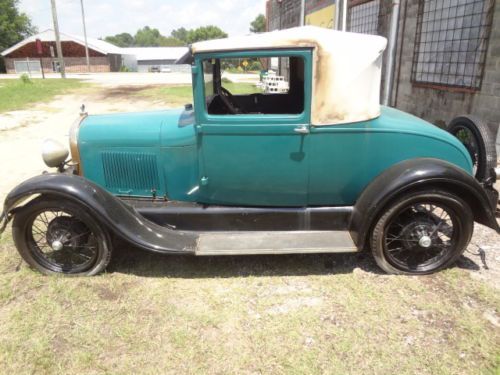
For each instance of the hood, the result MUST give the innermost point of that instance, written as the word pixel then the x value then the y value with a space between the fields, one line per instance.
pixel 164 128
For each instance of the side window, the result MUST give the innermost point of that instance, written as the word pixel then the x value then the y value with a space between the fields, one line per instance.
pixel 251 85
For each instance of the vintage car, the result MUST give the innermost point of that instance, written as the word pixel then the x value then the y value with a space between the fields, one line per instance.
pixel 320 168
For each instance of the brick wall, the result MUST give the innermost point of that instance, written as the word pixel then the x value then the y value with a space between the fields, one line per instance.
pixel 441 106
pixel 73 64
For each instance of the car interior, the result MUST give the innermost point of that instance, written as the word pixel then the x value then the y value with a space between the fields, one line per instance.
pixel 220 101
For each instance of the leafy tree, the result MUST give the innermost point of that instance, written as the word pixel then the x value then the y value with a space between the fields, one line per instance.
pixel 258 25
pixel 147 37
pixel 205 33
pixel 121 40
pixel 170 41
pixel 14 26
pixel 180 34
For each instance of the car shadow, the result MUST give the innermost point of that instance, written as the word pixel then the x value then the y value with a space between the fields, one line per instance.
pixel 141 263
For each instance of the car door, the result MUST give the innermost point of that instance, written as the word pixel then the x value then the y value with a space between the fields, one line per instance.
pixel 254 159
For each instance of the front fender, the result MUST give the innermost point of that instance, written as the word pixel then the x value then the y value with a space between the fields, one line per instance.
pixel 123 220
pixel 419 174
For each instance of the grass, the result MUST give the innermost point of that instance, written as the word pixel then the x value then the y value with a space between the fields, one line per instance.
pixel 15 94
pixel 309 314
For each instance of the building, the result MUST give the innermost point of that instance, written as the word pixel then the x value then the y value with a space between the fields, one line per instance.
pixel 103 56
pixel 149 59
pixel 447 51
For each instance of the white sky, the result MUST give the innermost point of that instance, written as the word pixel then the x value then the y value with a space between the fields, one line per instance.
pixel 109 17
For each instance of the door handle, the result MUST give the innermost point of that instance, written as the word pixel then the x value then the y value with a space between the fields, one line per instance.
pixel 301 129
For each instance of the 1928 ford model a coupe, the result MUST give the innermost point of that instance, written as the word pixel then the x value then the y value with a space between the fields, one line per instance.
pixel 319 168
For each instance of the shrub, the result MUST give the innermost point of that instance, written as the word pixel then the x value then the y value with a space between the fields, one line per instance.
pixel 25 78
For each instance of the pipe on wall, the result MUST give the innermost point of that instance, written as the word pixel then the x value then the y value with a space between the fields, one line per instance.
pixel 302 12
pixel 391 53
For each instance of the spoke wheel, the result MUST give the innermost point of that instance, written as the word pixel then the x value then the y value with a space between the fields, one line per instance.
pixel 476 137
pixel 61 237
pixel 422 233
pixel 469 140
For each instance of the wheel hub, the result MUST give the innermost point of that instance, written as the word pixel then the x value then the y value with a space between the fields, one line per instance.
pixel 418 233
pixel 57 245
pixel 425 242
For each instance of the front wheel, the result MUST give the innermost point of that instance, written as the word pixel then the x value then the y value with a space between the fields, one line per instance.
pixel 422 233
pixel 61 237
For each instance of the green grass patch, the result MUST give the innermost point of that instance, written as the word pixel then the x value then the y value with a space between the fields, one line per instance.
pixel 314 314
pixel 16 94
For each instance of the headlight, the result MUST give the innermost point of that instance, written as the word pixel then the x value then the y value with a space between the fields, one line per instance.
pixel 54 153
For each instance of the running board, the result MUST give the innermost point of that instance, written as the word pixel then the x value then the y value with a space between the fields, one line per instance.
pixel 289 242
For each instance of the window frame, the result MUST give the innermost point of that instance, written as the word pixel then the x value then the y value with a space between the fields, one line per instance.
pixel 478 65
pixel 356 3
pixel 203 117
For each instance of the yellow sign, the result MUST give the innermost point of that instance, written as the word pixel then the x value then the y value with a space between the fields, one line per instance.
pixel 244 63
pixel 324 17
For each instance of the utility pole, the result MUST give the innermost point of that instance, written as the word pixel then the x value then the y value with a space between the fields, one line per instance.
pixel 85 36
pixel 60 57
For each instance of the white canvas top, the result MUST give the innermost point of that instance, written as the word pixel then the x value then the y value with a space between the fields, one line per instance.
pixel 346 68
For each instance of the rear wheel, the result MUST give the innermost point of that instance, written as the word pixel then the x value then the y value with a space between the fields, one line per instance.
pixel 476 136
pixel 422 233
pixel 61 237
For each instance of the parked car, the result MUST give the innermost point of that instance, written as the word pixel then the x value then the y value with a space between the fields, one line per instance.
pixel 320 168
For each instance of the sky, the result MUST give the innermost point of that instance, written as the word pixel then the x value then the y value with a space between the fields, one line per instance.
pixel 110 17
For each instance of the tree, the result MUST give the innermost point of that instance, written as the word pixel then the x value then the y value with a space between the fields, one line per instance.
pixel 121 40
pixel 205 33
pixel 14 26
pixel 258 25
pixel 147 37
pixel 180 34
pixel 170 41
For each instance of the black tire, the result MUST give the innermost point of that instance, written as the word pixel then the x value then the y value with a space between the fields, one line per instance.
pixel 80 236
pixel 408 224
pixel 477 138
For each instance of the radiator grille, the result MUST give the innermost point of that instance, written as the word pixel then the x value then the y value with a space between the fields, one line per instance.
pixel 130 170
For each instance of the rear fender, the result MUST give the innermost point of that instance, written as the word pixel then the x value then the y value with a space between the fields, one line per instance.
pixel 419 174
pixel 121 219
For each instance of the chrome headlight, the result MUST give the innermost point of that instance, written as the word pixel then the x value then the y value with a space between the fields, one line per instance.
pixel 54 154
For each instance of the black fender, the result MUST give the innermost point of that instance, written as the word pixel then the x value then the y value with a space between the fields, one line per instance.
pixel 419 174
pixel 121 219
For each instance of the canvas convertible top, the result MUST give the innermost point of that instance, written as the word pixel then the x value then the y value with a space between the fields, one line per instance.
pixel 346 69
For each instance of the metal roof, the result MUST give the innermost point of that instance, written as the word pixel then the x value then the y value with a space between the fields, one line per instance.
pixel 156 53
pixel 49 36
pixel 141 53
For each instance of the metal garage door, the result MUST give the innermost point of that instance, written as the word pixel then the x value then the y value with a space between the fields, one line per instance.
pixel 24 66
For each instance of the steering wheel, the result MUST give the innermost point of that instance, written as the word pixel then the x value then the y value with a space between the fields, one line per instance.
pixel 229 101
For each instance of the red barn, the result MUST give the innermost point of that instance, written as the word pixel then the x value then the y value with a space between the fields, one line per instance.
pixel 23 57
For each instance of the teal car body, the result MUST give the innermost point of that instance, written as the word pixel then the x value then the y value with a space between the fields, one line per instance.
pixel 306 160
pixel 253 159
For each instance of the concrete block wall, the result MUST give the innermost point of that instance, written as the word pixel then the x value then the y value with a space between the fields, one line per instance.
pixel 441 106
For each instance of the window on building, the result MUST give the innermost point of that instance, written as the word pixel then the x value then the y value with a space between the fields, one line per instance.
pixel 250 85
pixel 451 42
pixel 363 17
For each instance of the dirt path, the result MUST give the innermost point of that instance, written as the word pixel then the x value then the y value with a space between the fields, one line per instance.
pixel 20 155
pixel 22 132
